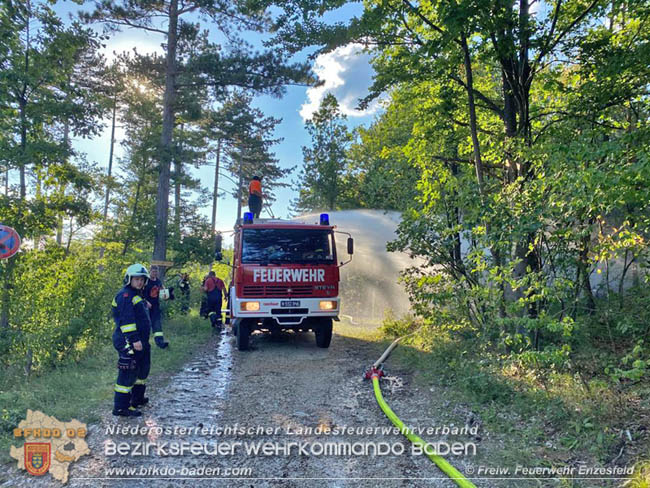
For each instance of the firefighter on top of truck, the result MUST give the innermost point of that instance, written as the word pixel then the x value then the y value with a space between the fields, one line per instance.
pixel 131 340
pixel 255 197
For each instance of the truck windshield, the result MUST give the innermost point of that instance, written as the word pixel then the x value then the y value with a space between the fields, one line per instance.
pixel 301 246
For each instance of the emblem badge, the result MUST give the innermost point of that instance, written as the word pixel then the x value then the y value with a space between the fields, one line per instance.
pixel 37 457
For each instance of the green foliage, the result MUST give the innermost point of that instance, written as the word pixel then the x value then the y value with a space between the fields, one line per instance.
pixel 320 182
pixel 634 366
pixel 379 172
pixel 399 326
pixel 61 304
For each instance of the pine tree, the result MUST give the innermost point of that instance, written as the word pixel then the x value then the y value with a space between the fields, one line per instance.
pixel 320 181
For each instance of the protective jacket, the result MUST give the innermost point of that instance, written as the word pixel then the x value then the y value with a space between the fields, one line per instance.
pixel 132 323
pixel 152 295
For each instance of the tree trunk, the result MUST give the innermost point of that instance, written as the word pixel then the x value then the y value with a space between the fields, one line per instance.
pixel 7 269
pixel 162 203
pixel 110 158
pixel 133 214
pixel 510 123
pixel 23 147
pixel 239 195
pixel 109 173
pixel 67 247
pixel 178 170
pixel 59 225
pixel 22 103
pixel 583 263
pixel 216 189
pixel 478 163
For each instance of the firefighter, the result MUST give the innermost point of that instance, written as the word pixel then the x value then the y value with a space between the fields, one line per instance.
pixel 131 340
pixel 184 286
pixel 255 197
pixel 152 293
pixel 213 288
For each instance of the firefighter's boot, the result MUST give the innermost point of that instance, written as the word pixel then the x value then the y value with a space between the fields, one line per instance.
pixel 127 412
pixel 213 319
pixel 137 395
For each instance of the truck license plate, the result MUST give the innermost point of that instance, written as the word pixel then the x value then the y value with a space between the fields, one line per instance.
pixel 290 303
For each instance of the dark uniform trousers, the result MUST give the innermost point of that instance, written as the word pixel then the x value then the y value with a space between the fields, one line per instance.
pixel 130 385
pixel 255 205
pixel 214 307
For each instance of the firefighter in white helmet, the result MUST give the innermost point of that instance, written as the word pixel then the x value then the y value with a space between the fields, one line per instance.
pixel 131 339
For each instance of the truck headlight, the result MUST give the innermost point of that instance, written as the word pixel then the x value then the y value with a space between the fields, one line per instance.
pixel 250 306
pixel 327 305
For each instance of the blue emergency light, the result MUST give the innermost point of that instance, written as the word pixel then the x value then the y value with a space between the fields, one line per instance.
pixel 324 219
pixel 248 217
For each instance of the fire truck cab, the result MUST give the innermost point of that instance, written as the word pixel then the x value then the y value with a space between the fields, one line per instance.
pixel 285 275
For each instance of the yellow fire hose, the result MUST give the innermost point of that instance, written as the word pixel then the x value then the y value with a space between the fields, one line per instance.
pixel 446 468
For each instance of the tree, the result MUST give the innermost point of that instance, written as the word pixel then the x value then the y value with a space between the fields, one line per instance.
pixel 265 73
pixel 320 181
pixel 47 78
pixel 379 172
pixel 522 111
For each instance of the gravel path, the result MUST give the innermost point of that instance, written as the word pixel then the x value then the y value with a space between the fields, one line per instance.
pixel 284 386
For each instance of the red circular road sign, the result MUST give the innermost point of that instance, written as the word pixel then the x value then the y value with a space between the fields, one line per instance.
pixel 9 242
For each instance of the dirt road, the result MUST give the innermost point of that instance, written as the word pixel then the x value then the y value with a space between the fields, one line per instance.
pixel 284 386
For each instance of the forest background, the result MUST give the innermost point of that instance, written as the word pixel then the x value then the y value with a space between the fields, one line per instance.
pixel 512 136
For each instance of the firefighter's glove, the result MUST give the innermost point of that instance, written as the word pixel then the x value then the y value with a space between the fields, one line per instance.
pixel 125 363
pixel 160 342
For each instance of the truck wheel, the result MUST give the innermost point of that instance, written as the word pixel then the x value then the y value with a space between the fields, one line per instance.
pixel 324 333
pixel 243 333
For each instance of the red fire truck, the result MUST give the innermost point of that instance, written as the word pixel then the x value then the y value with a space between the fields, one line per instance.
pixel 285 276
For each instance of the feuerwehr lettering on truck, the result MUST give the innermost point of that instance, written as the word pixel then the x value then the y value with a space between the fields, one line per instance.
pixel 279 275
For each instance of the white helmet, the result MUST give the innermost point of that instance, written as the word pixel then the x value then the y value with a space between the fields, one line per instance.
pixel 136 269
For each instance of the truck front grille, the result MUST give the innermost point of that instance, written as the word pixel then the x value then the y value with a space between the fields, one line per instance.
pixel 253 291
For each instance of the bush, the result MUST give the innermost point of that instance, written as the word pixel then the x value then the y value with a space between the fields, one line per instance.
pixel 60 303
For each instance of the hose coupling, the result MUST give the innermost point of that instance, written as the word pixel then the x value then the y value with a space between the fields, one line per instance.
pixel 374 372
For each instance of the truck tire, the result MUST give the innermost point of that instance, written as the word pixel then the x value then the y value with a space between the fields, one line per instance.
pixel 243 334
pixel 324 333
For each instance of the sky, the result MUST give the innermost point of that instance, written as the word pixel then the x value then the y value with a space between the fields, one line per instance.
pixel 346 73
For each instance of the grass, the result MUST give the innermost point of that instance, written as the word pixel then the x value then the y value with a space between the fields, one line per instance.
pixel 538 417
pixel 83 389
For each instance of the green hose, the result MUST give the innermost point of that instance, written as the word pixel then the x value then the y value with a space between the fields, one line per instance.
pixel 447 468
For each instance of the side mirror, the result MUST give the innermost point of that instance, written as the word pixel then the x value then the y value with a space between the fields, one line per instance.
pixel 350 245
